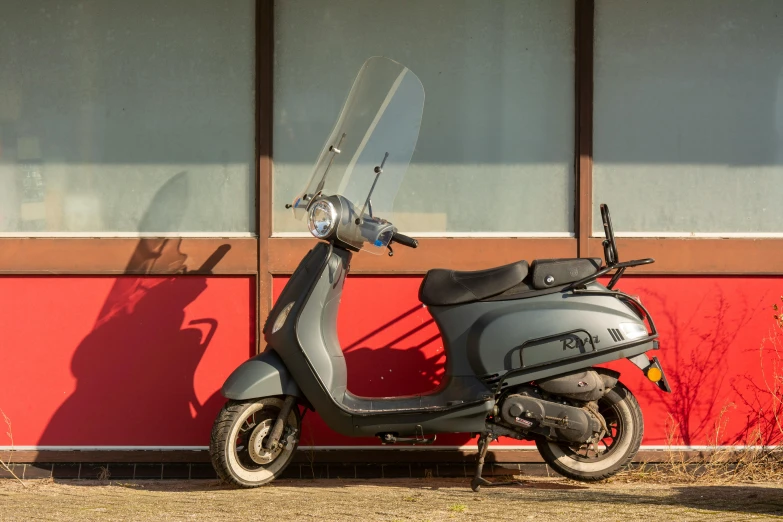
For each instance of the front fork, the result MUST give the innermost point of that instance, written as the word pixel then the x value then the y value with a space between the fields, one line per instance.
pixel 271 442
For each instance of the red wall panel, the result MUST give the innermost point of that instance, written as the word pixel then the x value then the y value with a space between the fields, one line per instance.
pixel 98 361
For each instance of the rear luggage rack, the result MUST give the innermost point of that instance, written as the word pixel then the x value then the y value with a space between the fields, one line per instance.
pixel 610 254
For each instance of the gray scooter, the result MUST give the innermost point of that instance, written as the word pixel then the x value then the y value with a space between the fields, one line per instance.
pixel 522 340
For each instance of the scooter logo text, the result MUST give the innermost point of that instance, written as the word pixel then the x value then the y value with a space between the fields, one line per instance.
pixel 575 343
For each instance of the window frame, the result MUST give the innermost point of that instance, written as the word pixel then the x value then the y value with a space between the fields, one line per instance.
pixel 265 256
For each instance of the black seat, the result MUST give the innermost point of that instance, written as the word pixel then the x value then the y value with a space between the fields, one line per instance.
pixel 449 287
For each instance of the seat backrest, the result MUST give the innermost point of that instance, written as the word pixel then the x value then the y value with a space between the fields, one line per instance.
pixel 546 273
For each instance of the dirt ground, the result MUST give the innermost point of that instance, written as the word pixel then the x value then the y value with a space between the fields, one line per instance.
pixel 388 499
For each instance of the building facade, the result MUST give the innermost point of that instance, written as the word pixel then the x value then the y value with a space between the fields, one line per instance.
pixel 147 151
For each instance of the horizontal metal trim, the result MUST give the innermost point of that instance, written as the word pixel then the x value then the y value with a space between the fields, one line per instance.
pixel 112 256
pixel 128 256
pixel 446 235
pixel 699 256
pixel 454 253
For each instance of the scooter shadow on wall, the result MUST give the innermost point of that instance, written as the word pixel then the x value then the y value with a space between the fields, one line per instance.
pixel 409 363
pixel 135 370
pixel 403 356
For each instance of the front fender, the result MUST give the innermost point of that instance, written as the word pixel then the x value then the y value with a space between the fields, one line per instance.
pixel 262 376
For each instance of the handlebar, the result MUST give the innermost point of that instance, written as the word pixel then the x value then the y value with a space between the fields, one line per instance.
pixel 404 240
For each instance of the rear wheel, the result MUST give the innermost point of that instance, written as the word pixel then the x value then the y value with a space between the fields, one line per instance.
pixel 237 444
pixel 593 462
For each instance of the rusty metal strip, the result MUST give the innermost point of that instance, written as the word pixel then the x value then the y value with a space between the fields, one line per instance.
pixel 697 256
pixel 132 256
pixel 583 44
pixel 264 125
pixel 454 253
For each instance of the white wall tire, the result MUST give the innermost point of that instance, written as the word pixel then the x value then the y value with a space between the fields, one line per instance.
pixel 630 430
pixel 232 459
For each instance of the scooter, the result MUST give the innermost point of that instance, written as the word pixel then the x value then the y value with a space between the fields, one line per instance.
pixel 522 341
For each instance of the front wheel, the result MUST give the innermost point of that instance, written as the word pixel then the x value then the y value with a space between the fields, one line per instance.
pixel 238 435
pixel 590 463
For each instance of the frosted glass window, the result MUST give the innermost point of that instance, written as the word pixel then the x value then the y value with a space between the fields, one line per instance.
pixel 689 116
pixel 496 149
pixel 127 117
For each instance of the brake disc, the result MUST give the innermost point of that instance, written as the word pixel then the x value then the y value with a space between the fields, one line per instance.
pixel 258 453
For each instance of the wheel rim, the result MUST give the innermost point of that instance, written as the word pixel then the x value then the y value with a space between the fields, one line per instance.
pixel 606 447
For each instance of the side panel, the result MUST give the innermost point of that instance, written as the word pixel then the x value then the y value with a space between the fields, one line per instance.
pixel 262 376
pixel 492 333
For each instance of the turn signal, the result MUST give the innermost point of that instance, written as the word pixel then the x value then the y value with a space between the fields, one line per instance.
pixel 654 374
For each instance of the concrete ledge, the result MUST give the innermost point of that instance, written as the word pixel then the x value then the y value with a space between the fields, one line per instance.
pixel 402 455
pixel 350 463
pixel 162 471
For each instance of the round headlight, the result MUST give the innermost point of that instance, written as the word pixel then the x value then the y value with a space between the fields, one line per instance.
pixel 322 219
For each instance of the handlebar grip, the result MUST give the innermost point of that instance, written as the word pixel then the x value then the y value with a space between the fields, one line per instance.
pixel 404 240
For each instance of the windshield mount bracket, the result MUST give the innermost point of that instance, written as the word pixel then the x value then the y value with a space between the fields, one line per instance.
pixel 335 150
pixel 378 172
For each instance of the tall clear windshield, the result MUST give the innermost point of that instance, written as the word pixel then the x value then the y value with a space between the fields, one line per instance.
pixel 376 131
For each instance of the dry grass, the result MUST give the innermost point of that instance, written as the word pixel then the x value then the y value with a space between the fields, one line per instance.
pixel 713 466
pixel 103 473
pixel 6 466
pixel 753 462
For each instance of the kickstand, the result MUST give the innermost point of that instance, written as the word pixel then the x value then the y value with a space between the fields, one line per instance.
pixel 483 445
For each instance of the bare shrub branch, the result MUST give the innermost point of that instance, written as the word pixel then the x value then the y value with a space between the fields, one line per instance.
pixel 7 465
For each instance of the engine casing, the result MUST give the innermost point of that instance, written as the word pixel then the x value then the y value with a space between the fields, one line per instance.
pixel 582 385
pixel 528 411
